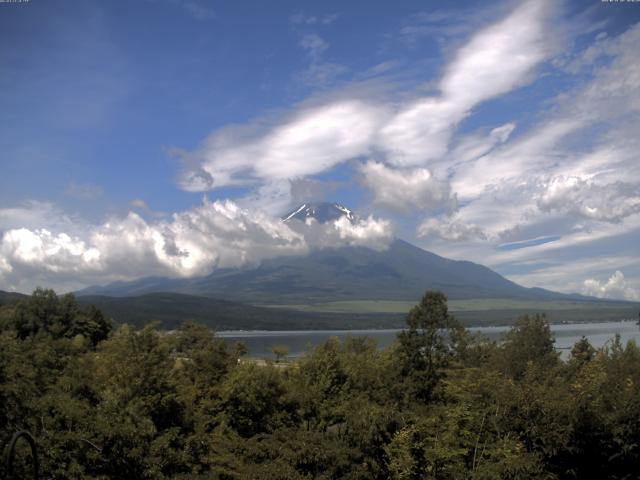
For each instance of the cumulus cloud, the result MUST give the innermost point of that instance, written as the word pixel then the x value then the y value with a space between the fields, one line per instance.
pixel 365 232
pixel 518 161
pixel 608 203
pixel 41 250
pixel 212 235
pixel 451 230
pixel 615 287
pixel 407 189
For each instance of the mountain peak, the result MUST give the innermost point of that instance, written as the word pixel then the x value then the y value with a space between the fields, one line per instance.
pixel 322 212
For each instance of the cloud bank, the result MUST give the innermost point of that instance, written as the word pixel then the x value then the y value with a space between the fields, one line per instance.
pixel 212 235
pixel 615 287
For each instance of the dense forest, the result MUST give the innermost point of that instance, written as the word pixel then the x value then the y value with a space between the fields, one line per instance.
pixel 131 403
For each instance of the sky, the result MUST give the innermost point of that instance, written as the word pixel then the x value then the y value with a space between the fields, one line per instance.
pixel 168 137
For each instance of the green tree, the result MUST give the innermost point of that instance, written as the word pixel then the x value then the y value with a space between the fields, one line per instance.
pixel 426 346
pixel 255 400
pixel 530 341
pixel 139 416
pixel 582 351
pixel 44 312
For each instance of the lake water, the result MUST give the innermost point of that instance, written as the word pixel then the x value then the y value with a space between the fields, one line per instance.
pixel 260 343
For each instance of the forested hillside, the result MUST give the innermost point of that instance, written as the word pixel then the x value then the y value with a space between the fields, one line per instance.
pixel 141 404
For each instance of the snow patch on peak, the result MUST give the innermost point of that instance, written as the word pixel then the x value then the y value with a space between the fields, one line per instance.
pixel 321 212
pixel 294 213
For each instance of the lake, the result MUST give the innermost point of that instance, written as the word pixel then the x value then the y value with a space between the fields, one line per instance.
pixel 299 342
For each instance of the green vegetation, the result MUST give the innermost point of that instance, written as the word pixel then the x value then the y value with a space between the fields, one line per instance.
pixel 280 352
pixel 470 305
pixel 171 309
pixel 352 306
pixel 478 311
pixel 440 403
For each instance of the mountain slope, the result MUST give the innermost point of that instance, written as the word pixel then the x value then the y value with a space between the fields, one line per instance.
pixel 402 272
pixel 7 298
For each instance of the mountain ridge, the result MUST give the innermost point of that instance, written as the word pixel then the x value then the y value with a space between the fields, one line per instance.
pixel 402 272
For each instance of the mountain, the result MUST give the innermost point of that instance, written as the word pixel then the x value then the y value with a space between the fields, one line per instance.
pixel 322 212
pixel 7 298
pixel 403 272
pixel 337 288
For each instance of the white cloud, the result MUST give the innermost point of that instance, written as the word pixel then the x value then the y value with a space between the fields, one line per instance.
pixel 520 160
pixel 420 131
pixel 369 232
pixel 472 147
pixel 501 57
pixel 194 242
pixel 571 174
pixel 451 230
pixel 365 232
pixel 312 140
pixel 615 287
pixel 407 190
pixel 42 250
pixel 609 202
pixel 495 61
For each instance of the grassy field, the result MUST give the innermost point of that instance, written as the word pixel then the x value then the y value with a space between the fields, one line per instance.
pixel 472 305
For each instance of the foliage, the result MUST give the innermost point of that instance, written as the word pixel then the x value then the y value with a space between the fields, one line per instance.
pixel 60 317
pixel 439 403
pixel 426 346
pixel 280 352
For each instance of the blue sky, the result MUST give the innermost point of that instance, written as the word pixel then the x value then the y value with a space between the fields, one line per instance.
pixel 166 137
